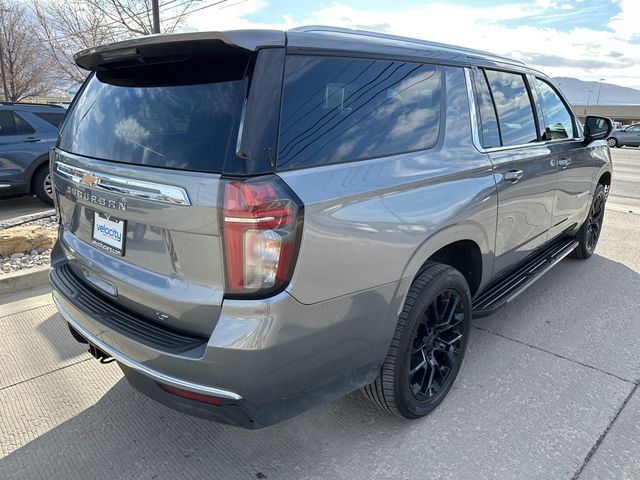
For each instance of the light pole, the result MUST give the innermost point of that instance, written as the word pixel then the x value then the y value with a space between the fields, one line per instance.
pixel 588 100
pixel 599 87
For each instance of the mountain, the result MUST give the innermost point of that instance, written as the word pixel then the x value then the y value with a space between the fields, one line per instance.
pixel 581 93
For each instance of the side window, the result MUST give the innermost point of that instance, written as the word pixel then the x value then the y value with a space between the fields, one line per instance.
pixel 490 134
pixel 22 126
pixel 343 109
pixel 7 124
pixel 52 118
pixel 558 121
pixel 635 128
pixel 515 115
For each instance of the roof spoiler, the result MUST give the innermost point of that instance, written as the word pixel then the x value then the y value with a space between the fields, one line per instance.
pixel 153 48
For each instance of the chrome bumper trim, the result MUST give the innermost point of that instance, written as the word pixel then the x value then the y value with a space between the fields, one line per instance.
pixel 153 374
pixel 129 187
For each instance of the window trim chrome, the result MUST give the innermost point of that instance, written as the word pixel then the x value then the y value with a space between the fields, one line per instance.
pixel 156 192
pixel 473 113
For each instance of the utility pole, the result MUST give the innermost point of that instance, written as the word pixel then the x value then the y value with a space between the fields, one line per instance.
pixel 156 16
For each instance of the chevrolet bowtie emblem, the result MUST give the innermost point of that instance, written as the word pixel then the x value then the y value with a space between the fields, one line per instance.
pixel 89 179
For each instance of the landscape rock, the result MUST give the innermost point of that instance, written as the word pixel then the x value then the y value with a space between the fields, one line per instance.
pixel 25 238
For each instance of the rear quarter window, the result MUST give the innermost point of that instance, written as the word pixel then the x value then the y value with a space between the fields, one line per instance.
pixel 50 117
pixel 344 109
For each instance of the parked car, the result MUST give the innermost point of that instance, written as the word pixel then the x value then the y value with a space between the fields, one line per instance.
pixel 254 222
pixel 28 131
pixel 627 137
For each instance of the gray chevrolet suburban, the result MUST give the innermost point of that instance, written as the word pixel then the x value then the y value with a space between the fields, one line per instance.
pixel 253 222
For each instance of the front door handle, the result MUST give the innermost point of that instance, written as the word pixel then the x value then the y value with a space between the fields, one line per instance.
pixel 513 176
pixel 564 162
pixel 32 140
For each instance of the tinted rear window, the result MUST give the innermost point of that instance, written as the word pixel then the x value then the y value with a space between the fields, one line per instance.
pixel 52 118
pixel 174 115
pixel 342 109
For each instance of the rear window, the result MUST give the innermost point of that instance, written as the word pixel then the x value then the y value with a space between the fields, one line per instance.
pixel 343 109
pixel 174 115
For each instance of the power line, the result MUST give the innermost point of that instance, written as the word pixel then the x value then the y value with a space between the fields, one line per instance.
pixel 189 12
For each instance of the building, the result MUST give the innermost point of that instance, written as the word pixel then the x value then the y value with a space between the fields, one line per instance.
pixel 625 114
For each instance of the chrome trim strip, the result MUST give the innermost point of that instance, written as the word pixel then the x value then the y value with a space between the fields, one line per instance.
pixel 249 220
pixel 475 132
pixel 156 192
pixel 153 374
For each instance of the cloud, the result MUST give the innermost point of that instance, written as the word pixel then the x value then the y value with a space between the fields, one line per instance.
pixel 625 24
pixel 586 53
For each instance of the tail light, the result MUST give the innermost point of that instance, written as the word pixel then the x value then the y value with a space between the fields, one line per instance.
pixel 262 224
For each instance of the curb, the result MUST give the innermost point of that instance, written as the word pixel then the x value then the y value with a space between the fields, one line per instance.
pixel 19 281
pixel 21 220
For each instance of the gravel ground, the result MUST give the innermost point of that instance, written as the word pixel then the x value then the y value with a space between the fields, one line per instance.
pixel 32 258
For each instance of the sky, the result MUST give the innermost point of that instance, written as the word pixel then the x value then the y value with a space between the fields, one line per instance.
pixel 586 39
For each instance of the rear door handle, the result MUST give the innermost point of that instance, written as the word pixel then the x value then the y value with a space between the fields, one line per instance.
pixel 513 176
pixel 564 162
pixel 32 140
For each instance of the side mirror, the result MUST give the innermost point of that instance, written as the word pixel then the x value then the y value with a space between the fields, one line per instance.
pixel 597 128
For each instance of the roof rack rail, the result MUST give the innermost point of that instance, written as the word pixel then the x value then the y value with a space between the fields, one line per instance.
pixel 367 33
pixel 28 104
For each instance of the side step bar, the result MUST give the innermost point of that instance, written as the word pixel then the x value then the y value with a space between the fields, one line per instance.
pixel 513 284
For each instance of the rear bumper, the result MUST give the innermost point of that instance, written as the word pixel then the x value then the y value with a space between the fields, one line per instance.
pixel 230 408
pixel 265 361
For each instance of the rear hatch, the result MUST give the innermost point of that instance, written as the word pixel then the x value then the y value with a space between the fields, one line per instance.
pixel 137 175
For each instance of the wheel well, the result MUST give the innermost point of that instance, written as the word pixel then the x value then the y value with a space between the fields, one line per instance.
pixel 605 181
pixel 466 257
pixel 44 164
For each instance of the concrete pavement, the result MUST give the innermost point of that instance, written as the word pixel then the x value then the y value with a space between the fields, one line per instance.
pixel 548 390
pixel 15 207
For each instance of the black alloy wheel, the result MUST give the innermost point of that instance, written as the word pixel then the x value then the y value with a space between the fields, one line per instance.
pixel 595 222
pixel 428 345
pixel 590 231
pixel 436 345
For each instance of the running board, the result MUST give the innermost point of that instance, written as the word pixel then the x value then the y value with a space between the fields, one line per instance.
pixel 509 287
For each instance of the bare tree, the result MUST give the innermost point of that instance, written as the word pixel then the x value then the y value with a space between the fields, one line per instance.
pixel 65 28
pixel 24 68
pixel 135 17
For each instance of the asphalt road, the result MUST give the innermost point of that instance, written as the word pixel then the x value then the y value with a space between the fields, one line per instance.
pixel 625 187
pixel 548 390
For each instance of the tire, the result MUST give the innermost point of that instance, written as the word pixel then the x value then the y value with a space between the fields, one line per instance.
pixel 590 230
pixel 412 395
pixel 612 142
pixel 42 187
